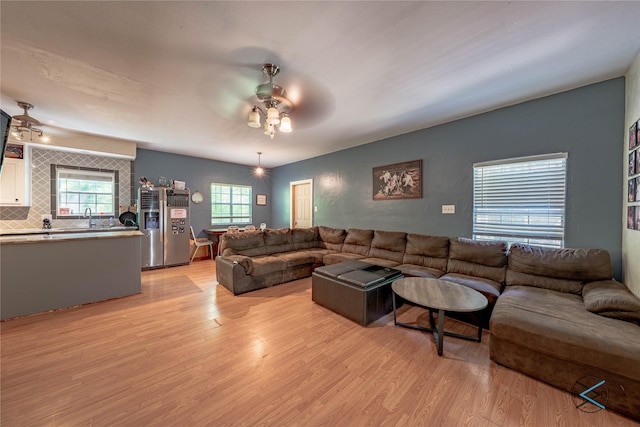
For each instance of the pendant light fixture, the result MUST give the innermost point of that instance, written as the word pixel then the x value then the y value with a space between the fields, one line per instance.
pixel 276 105
pixel 259 170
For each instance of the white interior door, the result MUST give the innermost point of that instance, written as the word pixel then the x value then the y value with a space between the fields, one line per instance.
pixel 302 204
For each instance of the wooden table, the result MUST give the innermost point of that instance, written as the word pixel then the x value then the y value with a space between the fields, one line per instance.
pixel 213 235
pixel 441 295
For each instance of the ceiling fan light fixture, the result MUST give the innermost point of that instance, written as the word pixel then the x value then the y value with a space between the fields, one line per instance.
pixel 276 105
pixel 273 116
pixel 285 125
pixel 254 118
pixel 269 129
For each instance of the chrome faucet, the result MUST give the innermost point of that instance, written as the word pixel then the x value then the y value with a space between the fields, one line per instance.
pixel 92 223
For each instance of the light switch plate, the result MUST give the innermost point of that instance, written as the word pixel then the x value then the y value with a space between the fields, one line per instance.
pixel 448 209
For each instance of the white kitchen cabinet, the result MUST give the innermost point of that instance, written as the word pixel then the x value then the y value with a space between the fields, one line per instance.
pixel 14 180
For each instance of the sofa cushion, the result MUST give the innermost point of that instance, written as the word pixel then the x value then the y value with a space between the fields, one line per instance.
pixel 477 258
pixel 248 244
pixel 337 257
pixel 358 241
pixel 486 287
pixel 611 299
pixel 267 264
pixel 388 245
pixel 563 270
pixel 294 259
pixel 304 238
pixel 557 324
pixel 380 261
pixel 427 251
pixel 489 253
pixel 331 238
pixel 278 240
pixel 317 254
pixel 278 236
pixel 419 271
pixel 431 246
pixel 574 264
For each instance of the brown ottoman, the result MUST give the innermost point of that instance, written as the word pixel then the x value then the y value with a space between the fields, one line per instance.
pixel 356 290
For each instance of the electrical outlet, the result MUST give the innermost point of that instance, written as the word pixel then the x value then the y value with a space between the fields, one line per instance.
pixel 315 209
pixel 448 209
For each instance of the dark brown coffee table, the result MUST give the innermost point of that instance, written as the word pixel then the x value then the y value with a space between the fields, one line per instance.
pixel 441 295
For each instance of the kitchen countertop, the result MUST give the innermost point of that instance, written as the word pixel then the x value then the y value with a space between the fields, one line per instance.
pixel 99 229
pixel 71 268
pixel 68 235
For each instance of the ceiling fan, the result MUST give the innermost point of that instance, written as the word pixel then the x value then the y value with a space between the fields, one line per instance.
pixel 25 123
pixel 276 105
pixel 233 91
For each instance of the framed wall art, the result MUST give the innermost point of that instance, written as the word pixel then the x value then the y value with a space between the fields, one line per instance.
pixel 261 199
pixel 633 176
pixel 14 151
pixel 398 181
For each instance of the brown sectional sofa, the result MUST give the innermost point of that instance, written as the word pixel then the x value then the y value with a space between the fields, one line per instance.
pixel 561 318
pixel 557 314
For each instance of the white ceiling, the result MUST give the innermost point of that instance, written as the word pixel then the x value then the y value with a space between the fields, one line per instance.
pixel 179 76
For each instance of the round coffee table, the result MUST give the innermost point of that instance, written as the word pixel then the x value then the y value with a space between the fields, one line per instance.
pixel 441 295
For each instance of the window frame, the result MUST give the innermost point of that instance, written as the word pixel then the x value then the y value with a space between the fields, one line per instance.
pixel 534 189
pixel 56 170
pixel 233 218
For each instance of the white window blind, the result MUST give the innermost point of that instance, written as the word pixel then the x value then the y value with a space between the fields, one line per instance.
pixel 521 200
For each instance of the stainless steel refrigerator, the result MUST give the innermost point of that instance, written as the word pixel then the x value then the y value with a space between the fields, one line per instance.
pixel 163 214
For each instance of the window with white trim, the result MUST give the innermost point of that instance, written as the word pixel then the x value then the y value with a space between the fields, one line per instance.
pixel 230 204
pixel 521 200
pixel 80 188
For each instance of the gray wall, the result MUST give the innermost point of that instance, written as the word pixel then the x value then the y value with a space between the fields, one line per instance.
pixel 199 174
pixel 587 123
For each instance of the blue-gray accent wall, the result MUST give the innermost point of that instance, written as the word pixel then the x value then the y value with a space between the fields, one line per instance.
pixel 198 174
pixel 587 123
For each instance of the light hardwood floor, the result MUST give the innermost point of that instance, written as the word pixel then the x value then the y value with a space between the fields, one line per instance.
pixel 187 352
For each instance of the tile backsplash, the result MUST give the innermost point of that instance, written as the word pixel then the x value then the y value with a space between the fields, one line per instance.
pixel 12 218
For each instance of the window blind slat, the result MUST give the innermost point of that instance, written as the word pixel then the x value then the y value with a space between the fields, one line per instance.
pixel 521 201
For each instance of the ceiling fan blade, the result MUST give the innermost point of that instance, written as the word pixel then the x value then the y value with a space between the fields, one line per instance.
pixel 313 103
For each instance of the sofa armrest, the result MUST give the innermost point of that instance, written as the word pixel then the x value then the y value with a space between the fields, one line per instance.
pixel 610 298
pixel 240 260
pixel 232 275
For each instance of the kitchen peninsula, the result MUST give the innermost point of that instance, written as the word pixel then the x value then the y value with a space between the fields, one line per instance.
pixel 47 271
